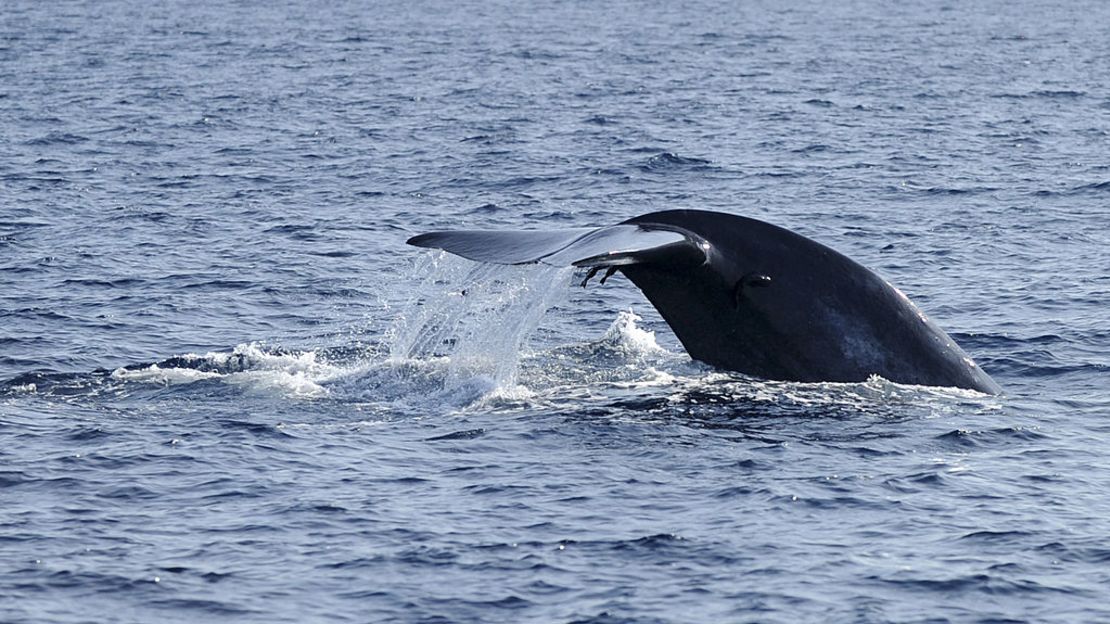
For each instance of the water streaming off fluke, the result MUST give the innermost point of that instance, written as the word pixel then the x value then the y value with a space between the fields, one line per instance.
pixel 474 318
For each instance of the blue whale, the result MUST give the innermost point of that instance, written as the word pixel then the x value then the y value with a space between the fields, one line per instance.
pixel 748 296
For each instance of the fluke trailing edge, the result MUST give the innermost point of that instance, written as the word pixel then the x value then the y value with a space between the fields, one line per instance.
pixel 749 296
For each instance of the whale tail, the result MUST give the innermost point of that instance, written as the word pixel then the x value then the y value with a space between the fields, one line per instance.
pixel 748 296
pixel 613 246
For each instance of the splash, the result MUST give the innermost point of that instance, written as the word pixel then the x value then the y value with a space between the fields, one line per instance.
pixel 625 336
pixel 474 321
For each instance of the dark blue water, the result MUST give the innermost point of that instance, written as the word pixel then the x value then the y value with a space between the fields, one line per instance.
pixel 229 391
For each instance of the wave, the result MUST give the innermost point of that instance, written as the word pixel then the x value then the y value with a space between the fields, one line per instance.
pixel 669 161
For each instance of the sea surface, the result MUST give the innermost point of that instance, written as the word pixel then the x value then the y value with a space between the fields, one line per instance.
pixel 230 392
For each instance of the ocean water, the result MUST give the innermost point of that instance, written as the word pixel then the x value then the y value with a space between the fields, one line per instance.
pixel 230 392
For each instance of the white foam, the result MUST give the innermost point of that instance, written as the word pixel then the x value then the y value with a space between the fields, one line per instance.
pixel 295 384
pixel 164 376
pixel 651 377
pixel 248 366
pixel 624 335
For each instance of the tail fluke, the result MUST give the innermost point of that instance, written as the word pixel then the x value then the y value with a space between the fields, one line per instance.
pixel 613 246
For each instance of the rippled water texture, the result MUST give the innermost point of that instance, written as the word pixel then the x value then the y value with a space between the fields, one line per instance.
pixel 229 391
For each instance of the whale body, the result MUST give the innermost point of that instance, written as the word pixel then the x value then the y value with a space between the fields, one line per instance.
pixel 748 296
